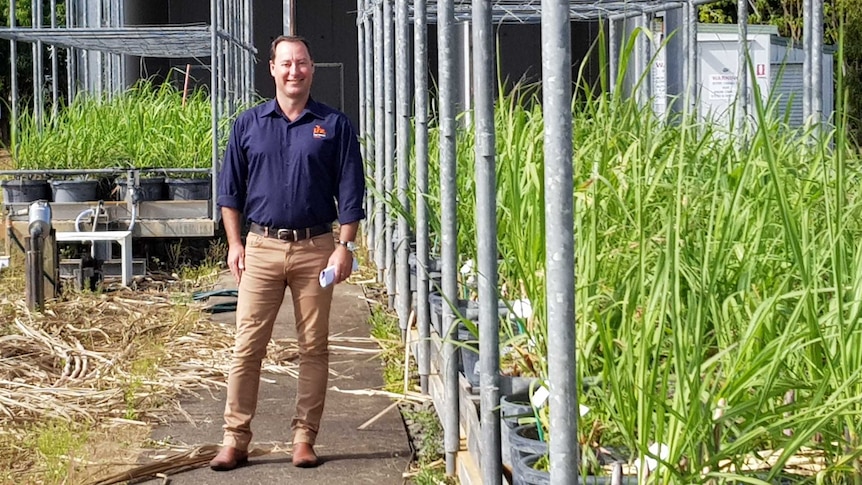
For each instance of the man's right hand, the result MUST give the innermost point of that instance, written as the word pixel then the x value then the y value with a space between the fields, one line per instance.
pixel 236 261
pixel 236 250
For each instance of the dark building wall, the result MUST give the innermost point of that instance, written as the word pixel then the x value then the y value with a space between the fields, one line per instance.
pixel 330 27
pixel 167 12
pixel 518 48
pixel 267 26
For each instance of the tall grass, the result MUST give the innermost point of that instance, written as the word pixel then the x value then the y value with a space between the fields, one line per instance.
pixel 719 290
pixel 147 126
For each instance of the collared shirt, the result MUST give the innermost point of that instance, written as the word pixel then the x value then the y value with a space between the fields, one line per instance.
pixel 290 174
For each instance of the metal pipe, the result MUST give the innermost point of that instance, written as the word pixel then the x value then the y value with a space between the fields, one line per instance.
pixel 116 85
pixel 389 141
pixel 214 104
pixel 402 95
pixel 368 100
pixel 121 22
pixel 248 62
pixel 71 55
pixel 486 229
pixel 38 69
pixel 13 71
pixel 643 57
pixel 806 62
pixel 360 62
pixel 692 60
pixel 742 71
pixel 662 7
pixel 420 98
pixel 817 60
pixel 559 241
pixel 35 269
pixel 379 146
pixel 55 65
pixel 674 27
pixel 613 53
pixel 288 17
pixel 448 225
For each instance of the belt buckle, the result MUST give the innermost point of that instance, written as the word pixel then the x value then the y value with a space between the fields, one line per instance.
pixel 287 234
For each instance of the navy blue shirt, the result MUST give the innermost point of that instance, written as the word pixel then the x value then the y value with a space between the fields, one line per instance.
pixel 290 174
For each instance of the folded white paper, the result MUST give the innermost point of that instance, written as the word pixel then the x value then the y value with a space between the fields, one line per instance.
pixel 327 276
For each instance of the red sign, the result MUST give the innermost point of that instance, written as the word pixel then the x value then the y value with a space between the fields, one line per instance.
pixel 761 70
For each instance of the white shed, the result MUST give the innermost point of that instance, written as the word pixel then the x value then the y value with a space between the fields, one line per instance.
pixel 777 70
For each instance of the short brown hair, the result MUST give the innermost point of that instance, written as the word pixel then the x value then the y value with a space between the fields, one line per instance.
pixel 288 38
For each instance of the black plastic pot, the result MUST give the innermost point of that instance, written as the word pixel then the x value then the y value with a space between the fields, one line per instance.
pixel 189 188
pixel 150 188
pixel 469 356
pixel 524 441
pixel 434 274
pixel 75 190
pixel 25 190
pixel 466 308
pixel 525 474
pixel 512 408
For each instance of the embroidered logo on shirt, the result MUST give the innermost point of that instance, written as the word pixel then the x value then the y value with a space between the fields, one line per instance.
pixel 319 132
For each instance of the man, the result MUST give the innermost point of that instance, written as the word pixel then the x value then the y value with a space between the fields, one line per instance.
pixel 287 163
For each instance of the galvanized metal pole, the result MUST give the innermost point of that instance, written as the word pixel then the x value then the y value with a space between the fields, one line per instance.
pixel 742 71
pixel 221 64
pixel 817 60
pixel 402 67
pixel 288 19
pixel 613 53
pixel 121 13
pixel 38 69
pixel 643 57
pixel 560 240
pixel 674 59
pixel 13 74
pixel 420 98
pixel 389 141
pixel 448 226
pixel 486 230
pixel 806 61
pixel 692 59
pixel 214 102
pixel 114 15
pixel 71 54
pixel 360 61
pixel 379 146
pixel 55 65
pixel 368 99
pixel 248 61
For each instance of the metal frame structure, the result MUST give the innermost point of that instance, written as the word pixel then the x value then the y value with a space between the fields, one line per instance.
pixel 374 18
pixel 98 41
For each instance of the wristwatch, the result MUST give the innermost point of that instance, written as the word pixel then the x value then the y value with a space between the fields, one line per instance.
pixel 350 245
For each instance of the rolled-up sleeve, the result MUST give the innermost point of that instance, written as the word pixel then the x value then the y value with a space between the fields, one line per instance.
pixel 234 172
pixel 351 183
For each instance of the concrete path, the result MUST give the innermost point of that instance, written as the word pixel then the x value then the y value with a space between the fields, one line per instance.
pixel 376 455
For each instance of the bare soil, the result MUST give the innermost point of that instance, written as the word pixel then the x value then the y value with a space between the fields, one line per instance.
pixel 5 159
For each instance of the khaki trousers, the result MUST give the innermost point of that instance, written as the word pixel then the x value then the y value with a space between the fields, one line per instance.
pixel 271 266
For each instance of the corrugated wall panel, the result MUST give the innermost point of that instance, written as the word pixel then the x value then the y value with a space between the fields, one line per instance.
pixel 786 82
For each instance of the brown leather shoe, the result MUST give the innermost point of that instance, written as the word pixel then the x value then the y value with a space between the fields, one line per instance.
pixel 303 456
pixel 228 458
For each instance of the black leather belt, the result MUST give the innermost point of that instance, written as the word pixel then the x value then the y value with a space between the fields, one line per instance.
pixel 290 235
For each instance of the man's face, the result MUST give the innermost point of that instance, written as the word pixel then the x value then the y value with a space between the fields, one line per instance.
pixel 292 70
